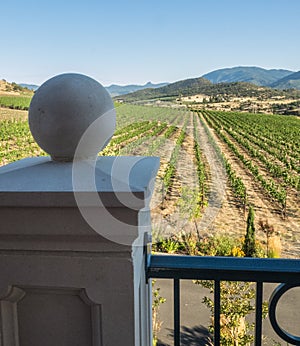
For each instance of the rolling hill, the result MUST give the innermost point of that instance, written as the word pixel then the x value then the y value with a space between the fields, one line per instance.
pixel 189 87
pixel 13 88
pixel 184 87
pixel 291 81
pixel 251 74
pixel 239 81
pixel 29 86
pixel 116 90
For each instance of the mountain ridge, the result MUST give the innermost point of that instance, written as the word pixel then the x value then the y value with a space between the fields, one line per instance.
pixel 274 78
pixel 251 74
pixel 175 89
pixel 288 82
pixel 32 87
pixel 240 81
pixel 202 86
pixel 116 90
pixel 113 89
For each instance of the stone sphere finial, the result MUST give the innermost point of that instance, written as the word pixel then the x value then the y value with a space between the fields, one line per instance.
pixel 67 108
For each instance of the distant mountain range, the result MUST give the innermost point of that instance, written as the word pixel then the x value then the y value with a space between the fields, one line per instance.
pixel 288 82
pixel 249 74
pixel 116 90
pixel 189 87
pixel 257 76
pixel 239 81
pixel 29 86
pixel 184 87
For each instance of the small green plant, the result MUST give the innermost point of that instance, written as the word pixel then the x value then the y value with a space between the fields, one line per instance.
pixel 157 300
pixel 249 247
pixel 167 245
pixel 189 203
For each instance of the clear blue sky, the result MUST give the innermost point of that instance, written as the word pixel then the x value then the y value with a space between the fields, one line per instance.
pixel 136 41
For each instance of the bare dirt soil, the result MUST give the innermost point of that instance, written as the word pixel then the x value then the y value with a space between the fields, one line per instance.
pixel 9 114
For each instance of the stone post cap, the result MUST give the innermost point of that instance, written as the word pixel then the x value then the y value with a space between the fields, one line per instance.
pixel 120 181
pixel 63 109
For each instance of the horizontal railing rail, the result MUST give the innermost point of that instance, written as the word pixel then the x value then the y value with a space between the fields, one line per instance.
pixel 258 270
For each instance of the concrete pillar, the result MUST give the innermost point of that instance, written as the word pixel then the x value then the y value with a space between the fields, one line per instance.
pixel 73 232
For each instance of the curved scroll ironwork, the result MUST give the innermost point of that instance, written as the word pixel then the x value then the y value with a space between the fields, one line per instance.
pixel 274 299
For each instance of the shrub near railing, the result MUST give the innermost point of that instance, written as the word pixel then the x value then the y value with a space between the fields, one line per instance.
pixel 237 302
pixel 237 298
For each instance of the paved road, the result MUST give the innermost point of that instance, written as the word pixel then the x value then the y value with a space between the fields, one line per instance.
pixel 195 317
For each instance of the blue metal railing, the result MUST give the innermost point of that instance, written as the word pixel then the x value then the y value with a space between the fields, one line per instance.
pixel 284 271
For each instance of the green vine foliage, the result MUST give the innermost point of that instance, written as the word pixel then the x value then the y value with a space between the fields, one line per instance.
pixel 237 303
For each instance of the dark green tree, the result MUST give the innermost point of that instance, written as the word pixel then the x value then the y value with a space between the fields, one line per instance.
pixel 249 247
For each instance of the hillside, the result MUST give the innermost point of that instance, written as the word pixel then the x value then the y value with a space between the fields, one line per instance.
pixel 13 88
pixel 201 85
pixel 291 81
pixel 116 90
pixel 251 74
pixel 184 87
pixel 29 86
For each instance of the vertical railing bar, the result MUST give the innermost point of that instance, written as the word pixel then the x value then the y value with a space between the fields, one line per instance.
pixel 258 313
pixel 217 312
pixel 176 312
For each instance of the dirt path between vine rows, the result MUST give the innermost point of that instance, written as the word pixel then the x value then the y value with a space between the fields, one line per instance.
pixel 217 185
pixel 169 209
